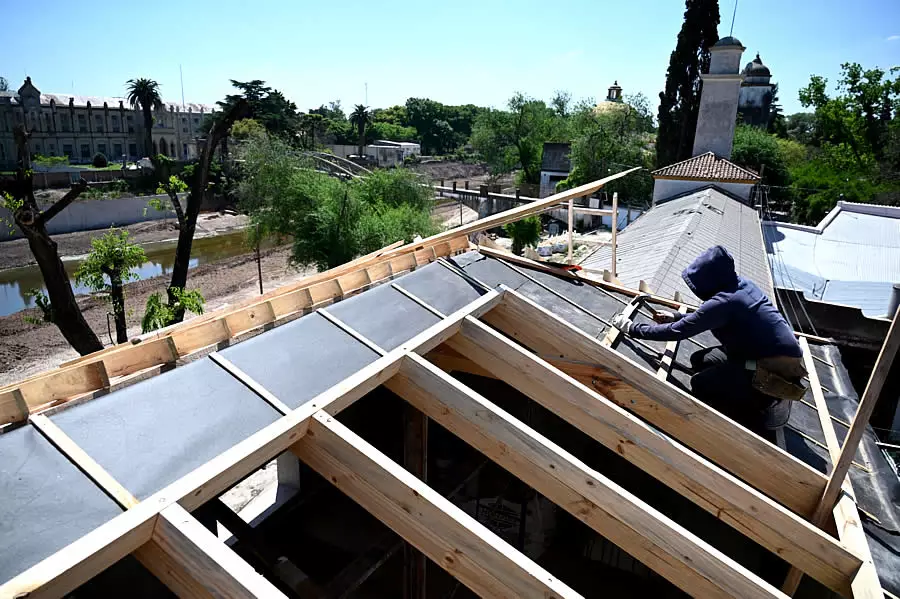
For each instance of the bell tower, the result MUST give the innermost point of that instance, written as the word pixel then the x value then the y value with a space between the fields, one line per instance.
pixel 719 99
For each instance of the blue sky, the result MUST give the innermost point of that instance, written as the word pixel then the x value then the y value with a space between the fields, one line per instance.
pixel 460 51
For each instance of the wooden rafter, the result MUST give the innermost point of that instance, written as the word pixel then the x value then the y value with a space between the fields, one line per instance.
pixel 765 466
pixel 668 358
pixel 451 538
pixel 711 488
pixel 636 527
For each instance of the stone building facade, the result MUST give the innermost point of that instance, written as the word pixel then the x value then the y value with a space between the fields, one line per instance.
pixel 757 94
pixel 81 126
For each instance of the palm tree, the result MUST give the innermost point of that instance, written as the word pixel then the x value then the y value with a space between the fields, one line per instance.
pixel 360 118
pixel 145 93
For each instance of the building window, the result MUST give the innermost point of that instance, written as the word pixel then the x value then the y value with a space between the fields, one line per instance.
pixel 117 151
pixel 115 124
pixel 64 122
pixel 101 148
pixel 85 152
pixel 98 120
pixel 52 149
pixel 82 123
pixel 132 150
pixel 130 120
pixel 51 125
pixel 67 151
pixel 184 149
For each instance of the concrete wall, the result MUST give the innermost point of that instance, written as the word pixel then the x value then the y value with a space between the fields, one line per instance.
pixel 663 189
pixel 385 156
pixel 718 111
pixel 96 214
pixel 549 179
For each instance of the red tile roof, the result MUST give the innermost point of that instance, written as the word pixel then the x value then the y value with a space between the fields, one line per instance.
pixel 707 166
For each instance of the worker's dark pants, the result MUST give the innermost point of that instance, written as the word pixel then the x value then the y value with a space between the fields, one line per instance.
pixel 726 385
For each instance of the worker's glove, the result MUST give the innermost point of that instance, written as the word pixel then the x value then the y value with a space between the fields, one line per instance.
pixel 663 316
pixel 623 323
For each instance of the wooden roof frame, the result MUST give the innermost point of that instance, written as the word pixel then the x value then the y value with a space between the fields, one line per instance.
pixel 748 483
pixel 160 532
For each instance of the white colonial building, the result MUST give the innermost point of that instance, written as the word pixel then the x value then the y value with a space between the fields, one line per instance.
pixel 81 126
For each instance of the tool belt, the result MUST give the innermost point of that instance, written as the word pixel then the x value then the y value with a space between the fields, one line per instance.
pixel 778 376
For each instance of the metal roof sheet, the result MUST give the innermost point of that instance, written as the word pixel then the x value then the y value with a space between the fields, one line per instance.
pixel 851 257
pixel 661 243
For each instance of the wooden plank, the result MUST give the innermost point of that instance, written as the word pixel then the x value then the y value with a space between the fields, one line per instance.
pixel 753 459
pixel 403 263
pixel 141 356
pixel 380 272
pixel 846 517
pixel 169 572
pixel 713 489
pixel 451 538
pixel 207 560
pixel 63 384
pixel 251 384
pixel 295 301
pixel 250 318
pixel 353 281
pixel 860 421
pixel 12 407
pixel 191 339
pixel 325 292
pixel 636 527
pixel 425 255
pixel 668 357
pixel 72 566
pixel 614 221
pixel 83 461
pixel 351 331
pixel 448 359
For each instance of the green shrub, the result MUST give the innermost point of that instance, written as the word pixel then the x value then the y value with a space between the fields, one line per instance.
pixel 525 232
pixel 99 161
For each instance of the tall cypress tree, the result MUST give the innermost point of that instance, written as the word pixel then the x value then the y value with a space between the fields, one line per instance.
pixel 680 103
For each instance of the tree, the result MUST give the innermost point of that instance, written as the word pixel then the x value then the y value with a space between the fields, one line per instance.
pixel 4 84
pixel 611 140
pixel 801 127
pixel 145 93
pixel 312 127
pixel 266 105
pixel 62 309
pixel 360 118
pixel 107 268
pixel 247 128
pixel 760 151
pixel 330 220
pixel 199 187
pixel 515 138
pixel 679 104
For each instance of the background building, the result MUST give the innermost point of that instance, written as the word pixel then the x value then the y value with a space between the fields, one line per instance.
pixel 757 94
pixel 81 126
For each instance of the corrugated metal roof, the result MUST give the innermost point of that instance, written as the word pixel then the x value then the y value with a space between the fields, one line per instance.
pixel 852 257
pixel 660 244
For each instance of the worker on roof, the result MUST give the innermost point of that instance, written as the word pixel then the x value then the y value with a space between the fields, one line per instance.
pixel 756 371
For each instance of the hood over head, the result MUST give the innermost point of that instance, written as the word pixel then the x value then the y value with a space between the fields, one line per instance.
pixel 711 272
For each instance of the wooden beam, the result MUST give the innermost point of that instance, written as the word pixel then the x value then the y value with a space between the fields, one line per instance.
pixel 713 489
pixel 451 538
pixel 649 536
pixel 615 231
pixel 753 459
pixel 846 517
pixel 668 357
pixel 860 421
pixel 205 559
pixel 612 333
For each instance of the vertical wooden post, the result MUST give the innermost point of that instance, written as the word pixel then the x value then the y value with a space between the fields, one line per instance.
pixel 571 226
pixel 615 226
pixel 415 460
pixel 518 191
pixel 442 191
pixel 458 199
pixel 467 184
pixel 860 420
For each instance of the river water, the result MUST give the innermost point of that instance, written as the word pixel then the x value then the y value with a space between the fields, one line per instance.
pixel 16 282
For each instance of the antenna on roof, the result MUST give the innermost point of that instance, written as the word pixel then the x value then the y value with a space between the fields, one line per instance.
pixel 181 75
pixel 733 15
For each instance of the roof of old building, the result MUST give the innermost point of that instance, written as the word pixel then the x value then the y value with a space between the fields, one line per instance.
pixel 728 41
pixel 708 166
pixel 756 68
pixel 852 257
pixel 661 243
pixel 556 157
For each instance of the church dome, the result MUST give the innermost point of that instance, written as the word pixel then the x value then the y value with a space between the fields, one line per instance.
pixel 756 68
pixel 728 41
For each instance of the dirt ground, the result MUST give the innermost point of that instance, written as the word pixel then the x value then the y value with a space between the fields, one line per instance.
pixel 26 349
pixel 16 253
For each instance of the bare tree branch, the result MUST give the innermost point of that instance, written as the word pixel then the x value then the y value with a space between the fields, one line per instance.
pixel 61 204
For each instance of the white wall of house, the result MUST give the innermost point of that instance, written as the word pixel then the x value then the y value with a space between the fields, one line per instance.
pixel 549 179
pixel 663 189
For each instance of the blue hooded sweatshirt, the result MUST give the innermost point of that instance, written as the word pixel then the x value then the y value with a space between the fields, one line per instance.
pixel 734 309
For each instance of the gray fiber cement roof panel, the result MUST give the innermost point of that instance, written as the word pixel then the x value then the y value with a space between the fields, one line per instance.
pixel 152 433
pixel 300 359
pixel 384 316
pixel 440 288
pixel 45 501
